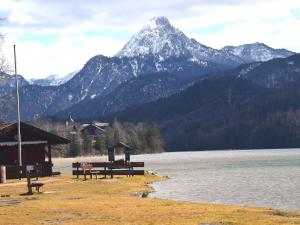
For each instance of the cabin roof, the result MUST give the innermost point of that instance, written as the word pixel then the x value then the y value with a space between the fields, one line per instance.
pixel 86 126
pixel 3 125
pixel 8 133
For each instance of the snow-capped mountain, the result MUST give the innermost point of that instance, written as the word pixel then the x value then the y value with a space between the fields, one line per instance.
pixel 257 52
pixel 53 79
pixel 162 40
pixel 157 47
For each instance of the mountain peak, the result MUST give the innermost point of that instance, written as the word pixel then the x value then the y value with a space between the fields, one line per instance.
pixel 157 37
pixel 161 21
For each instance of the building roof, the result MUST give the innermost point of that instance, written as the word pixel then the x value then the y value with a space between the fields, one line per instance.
pixel 86 126
pixel 2 124
pixel 100 124
pixel 29 133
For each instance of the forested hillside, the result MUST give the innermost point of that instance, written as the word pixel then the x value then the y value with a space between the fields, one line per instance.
pixel 225 113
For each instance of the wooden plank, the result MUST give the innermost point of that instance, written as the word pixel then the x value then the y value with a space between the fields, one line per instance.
pixel 113 172
pixel 119 166
pixel 107 164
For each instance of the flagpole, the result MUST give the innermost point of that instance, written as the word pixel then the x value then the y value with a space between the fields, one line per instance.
pixel 18 116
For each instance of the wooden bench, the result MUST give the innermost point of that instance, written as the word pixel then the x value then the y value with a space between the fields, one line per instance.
pixel 118 165
pixel 108 168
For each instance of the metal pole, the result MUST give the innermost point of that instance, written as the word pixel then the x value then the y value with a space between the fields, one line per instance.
pixel 2 174
pixel 18 116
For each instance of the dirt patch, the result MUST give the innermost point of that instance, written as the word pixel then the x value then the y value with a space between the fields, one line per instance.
pixel 67 217
pixel 74 198
pixel 285 214
pixel 9 202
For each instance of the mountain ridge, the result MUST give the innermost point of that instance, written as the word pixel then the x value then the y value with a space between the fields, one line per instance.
pixel 227 111
pixel 168 50
pixel 257 52
pixel 53 79
pixel 275 73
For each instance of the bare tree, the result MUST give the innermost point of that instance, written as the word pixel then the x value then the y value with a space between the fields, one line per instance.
pixel 4 67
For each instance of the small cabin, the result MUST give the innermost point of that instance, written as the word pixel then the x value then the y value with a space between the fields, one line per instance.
pixel 36 147
pixel 94 129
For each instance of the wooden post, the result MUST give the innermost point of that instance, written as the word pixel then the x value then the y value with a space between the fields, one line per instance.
pixel 111 170
pixel 50 153
pixel 50 158
pixel 36 171
pixel 29 183
pixel 77 168
pixel 3 174
pixel 84 173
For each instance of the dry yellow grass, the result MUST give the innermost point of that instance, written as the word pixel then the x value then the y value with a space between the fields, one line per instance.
pixel 114 202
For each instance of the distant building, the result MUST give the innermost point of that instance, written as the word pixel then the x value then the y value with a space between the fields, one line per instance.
pixel 36 147
pixel 94 129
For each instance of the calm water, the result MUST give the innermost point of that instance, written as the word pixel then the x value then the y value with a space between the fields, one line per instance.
pixel 266 178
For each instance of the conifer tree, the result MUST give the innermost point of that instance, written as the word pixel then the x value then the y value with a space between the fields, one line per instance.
pixel 86 143
pixel 100 145
pixel 74 145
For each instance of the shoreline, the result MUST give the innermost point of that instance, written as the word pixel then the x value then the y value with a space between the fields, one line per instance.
pixel 67 200
pixel 206 189
pixel 165 178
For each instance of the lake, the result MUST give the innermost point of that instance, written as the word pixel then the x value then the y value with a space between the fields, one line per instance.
pixel 265 178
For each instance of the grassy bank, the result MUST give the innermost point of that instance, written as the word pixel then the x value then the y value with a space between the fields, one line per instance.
pixel 106 201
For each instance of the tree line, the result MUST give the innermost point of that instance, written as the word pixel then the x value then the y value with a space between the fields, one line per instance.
pixel 142 137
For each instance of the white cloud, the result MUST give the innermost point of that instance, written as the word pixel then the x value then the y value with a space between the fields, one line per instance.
pixel 21 18
pixel 60 36
pixel 69 53
pixel 260 22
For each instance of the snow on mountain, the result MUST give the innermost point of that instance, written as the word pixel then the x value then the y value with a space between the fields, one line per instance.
pixel 157 47
pixel 157 37
pixel 47 81
pixel 66 78
pixel 161 39
pixel 257 52
pixel 8 83
pixel 53 79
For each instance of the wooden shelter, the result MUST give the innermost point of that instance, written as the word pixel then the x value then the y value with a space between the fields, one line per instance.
pixel 120 145
pixel 36 148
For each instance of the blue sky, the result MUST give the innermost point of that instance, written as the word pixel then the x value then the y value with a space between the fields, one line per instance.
pixel 58 37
